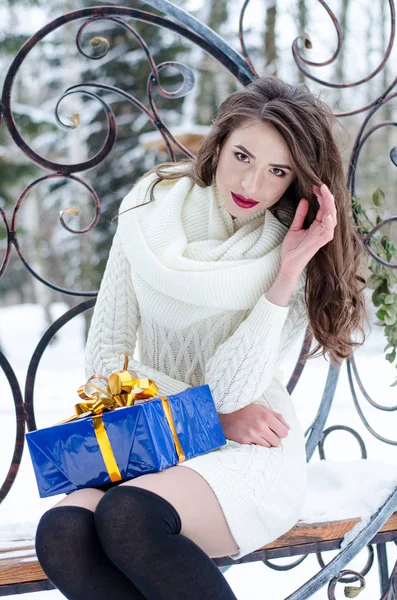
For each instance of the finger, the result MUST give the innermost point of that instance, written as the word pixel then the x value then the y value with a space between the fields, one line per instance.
pixel 268 438
pixel 276 426
pixel 262 442
pixel 328 203
pixel 319 230
pixel 267 430
pixel 280 430
pixel 321 212
pixel 280 416
pixel 321 222
pixel 328 198
pixel 323 193
pixel 273 430
pixel 332 207
pixel 300 214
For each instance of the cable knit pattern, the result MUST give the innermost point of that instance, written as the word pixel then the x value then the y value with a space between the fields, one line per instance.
pixel 114 326
pixel 159 299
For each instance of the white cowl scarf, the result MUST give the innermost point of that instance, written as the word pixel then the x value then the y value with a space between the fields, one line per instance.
pixel 186 245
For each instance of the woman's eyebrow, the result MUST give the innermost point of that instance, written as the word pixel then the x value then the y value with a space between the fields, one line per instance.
pixel 244 150
pixel 252 156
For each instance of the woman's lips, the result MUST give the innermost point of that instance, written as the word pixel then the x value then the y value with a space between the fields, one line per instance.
pixel 243 203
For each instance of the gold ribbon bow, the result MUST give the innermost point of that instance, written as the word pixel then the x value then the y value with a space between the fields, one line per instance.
pixel 122 389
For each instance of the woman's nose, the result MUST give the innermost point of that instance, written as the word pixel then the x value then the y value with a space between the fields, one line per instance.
pixel 251 184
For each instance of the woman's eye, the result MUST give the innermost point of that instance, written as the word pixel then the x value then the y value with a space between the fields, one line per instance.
pixel 281 172
pixel 238 154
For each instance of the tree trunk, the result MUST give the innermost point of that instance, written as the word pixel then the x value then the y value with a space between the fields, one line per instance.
pixel 270 39
pixel 212 85
pixel 302 23
pixel 340 64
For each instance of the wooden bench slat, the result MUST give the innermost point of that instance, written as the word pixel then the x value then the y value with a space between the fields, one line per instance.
pixel 15 570
pixel 19 564
pixel 304 533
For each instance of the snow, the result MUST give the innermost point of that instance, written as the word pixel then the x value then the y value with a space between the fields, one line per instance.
pixel 344 486
pixel 346 490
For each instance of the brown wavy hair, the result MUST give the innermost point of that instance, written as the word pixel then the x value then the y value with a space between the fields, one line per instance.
pixel 334 289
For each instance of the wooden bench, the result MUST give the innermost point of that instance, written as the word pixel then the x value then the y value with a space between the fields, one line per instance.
pixel 20 571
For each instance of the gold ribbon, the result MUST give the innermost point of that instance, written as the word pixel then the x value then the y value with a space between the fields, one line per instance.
pixel 122 389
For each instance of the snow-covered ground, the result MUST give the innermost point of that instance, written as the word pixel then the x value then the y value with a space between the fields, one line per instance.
pixel 61 372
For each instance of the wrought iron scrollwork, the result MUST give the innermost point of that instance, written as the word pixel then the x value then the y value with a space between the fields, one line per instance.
pixel 355 575
pixel 350 430
pixel 352 370
pixel 288 567
pixel 350 591
pixel 20 426
pixel 13 230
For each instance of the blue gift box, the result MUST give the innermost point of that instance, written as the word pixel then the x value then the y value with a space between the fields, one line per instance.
pixel 67 457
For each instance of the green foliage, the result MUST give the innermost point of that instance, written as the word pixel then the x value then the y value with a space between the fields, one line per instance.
pixel 383 279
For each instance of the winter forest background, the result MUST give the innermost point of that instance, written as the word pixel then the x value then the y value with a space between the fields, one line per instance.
pixel 77 261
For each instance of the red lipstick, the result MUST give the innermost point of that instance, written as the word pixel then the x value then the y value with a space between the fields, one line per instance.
pixel 243 202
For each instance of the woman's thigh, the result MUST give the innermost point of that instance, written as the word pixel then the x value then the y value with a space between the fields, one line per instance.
pixel 202 518
pixel 87 498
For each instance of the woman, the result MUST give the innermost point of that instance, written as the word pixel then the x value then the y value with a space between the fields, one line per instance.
pixel 228 259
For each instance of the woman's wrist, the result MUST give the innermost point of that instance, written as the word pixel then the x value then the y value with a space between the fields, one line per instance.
pixel 282 289
pixel 222 419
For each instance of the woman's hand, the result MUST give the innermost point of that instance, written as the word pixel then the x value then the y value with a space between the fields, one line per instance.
pixel 254 424
pixel 300 245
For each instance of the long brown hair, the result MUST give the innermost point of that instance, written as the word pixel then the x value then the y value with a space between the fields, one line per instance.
pixel 335 284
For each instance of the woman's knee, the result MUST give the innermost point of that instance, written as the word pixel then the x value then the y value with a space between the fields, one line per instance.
pixel 67 527
pixel 70 520
pixel 131 517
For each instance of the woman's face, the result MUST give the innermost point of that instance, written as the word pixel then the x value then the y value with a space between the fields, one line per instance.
pixel 254 164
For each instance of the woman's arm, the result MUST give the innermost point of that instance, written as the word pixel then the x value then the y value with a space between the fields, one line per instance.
pixel 243 366
pixel 282 289
pixel 115 323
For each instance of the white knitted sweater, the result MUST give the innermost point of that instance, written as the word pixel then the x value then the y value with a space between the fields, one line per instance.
pixel 188 283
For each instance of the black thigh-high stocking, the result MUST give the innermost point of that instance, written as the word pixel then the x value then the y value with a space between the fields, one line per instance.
pixel 140 533
pixel 71 555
